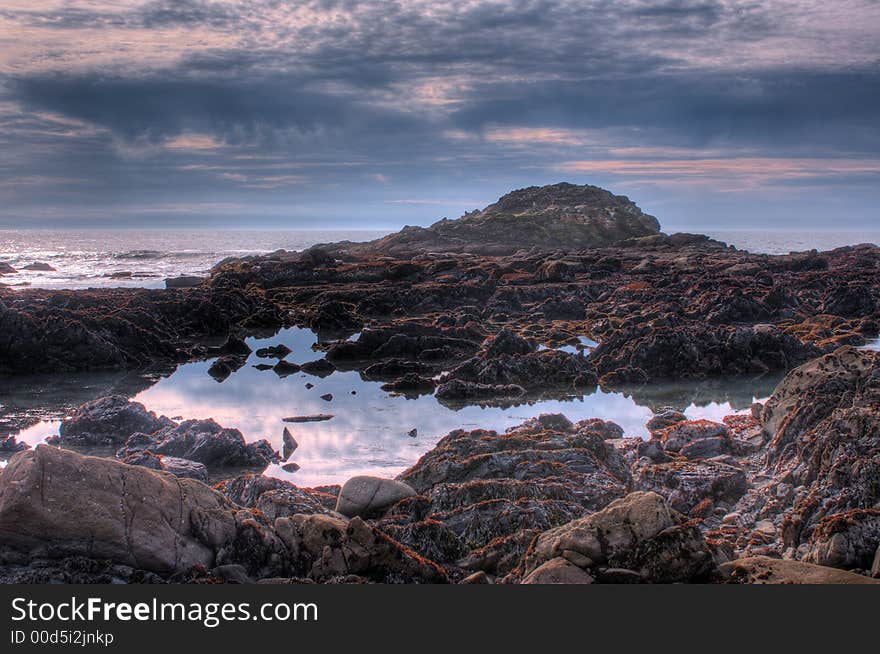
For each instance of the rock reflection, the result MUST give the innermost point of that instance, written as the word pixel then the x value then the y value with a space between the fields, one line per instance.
pixel 369 431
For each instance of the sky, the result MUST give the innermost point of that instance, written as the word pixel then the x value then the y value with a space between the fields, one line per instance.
pixel 712 114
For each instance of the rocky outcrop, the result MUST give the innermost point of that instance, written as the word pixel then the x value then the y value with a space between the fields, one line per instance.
pixel 109 421
pixel 483 495
pixel 44 331
pixel 203 441
pixel 560 216
pixel 635 539
pixel 814 496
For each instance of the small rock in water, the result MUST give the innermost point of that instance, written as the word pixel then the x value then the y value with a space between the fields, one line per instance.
pixel 263 366
pixel 225 366
pixel 289 444
pixel 290 467
pixel 327 397
pixel 124 274
pixel 314 418
pixel 412 433
pixel 185 281
pixel 284 368
pixel 309 385
pixel 354 392
pixel 319 368
pixel 275 352
pixel 39 266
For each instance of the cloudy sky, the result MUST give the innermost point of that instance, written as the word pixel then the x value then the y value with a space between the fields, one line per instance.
pixel 708 113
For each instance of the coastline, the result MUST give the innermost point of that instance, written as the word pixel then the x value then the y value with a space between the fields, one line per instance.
pixel 464 318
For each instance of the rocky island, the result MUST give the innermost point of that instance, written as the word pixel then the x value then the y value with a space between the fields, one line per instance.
pixel 490 309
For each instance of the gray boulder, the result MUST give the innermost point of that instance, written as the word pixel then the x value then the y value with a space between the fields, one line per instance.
pixel 364 495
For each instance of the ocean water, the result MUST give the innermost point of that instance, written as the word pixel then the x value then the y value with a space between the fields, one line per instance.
pixel 770 241
pixel 90 258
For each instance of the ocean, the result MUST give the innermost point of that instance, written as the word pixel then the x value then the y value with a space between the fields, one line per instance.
pixel 91 258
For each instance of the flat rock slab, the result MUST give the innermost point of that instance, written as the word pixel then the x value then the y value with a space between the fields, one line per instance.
pixel 764 570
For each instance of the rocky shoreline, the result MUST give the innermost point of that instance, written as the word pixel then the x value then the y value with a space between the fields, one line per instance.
pixel 788 494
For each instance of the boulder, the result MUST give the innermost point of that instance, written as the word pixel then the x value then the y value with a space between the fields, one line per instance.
pixel 765 570
pixel 638 532
pixel 58 503
pixel 364 495
pixel 204 441
pixel 558 571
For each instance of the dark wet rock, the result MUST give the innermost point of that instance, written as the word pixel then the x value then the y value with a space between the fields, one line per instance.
pixel 557 216
pixel 285 368
pixel 364 495
pixel 319 368
pixel 185 281
pixel 327 397
pixel 457 390
pixel 335 316
pixel 225 365
pixel 685 433
pixel 319 417
pixel 109 421
pixel 290 466
pixel 289 444
pixel 6 269
pixel 639 533
pixel 235 346
pixel 816 484
pixel 849 300
pixel 274 352
pixel 506 342
pixel 537 370
pixel 204 441
pixel 274 497
pixel 695 351
pixel 410 383
pixel 330 547
pixel 687 484
pixel 262 367
pixel 62 331
pixel 170 464
pixel 666 419
pixel 9 445
pixel 39 266
pixel 487 487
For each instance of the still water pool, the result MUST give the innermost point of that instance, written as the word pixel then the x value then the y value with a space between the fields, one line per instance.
pixel 369 433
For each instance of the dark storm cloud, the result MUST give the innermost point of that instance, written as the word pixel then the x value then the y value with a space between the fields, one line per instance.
pixel 403 102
